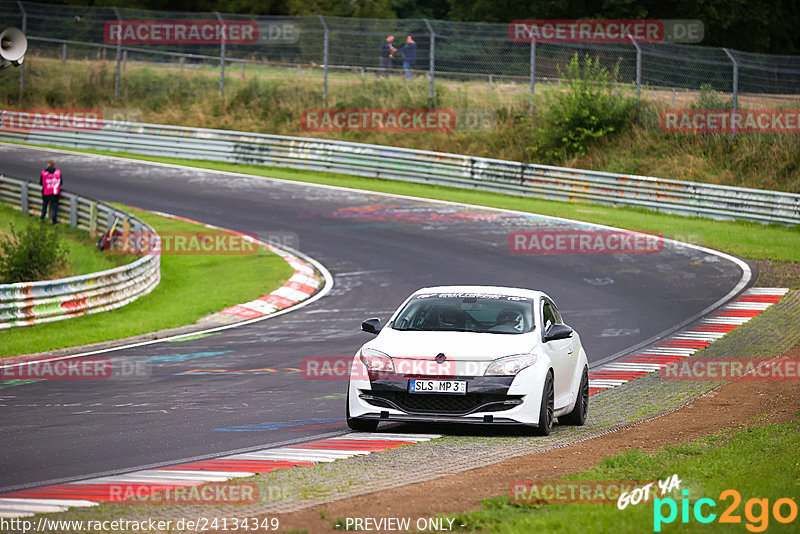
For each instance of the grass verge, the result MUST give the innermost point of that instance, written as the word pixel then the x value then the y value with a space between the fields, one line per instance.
pixel 754 241
pixel 82 255
pixel 272 100
pixel 192 286
pixel 762 456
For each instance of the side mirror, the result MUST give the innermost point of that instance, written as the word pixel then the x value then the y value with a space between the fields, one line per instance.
pixel 557 331
pixel 371 326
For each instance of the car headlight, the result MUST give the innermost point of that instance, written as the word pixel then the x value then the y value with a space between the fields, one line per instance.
pixel 510 365
pixel 376 361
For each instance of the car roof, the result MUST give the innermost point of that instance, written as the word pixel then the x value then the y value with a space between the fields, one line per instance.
pixel 489 290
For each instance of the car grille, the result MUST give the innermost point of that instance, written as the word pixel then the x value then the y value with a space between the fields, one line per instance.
pixel 441 404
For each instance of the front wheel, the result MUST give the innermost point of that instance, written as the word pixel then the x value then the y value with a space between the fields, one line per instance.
pixel 359 425
pixel 577 416
pixel 546 409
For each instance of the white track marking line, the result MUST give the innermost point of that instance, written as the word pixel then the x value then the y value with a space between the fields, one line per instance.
pixel 729 321
pixel 626 366
pixel 748 306
pixel 772 291
pixel 282 458
pixel 167 476
pixel 607 382
pixel 387 437
pixel 345 453
pixel 82 503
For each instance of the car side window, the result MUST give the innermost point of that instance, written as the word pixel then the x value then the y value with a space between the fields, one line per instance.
pixel 548 317
pixel 556 313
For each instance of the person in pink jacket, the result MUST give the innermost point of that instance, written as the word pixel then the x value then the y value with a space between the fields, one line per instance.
pixel 50 180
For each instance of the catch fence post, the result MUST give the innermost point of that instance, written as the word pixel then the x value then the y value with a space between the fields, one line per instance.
pixel 638 76
pixel 431 64
pixel 119 56
pixel 735 89
pixel 221 57
pixel 324 60
pixel 533 75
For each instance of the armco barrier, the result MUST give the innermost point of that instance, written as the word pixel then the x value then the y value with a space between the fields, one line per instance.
pixel 468 172
pixel 29 303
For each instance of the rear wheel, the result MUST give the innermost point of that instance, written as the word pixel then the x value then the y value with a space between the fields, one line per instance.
pixel 546 409
pixel 578 414
pixel 359 425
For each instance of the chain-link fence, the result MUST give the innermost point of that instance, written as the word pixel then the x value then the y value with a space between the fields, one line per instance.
pixel 345 47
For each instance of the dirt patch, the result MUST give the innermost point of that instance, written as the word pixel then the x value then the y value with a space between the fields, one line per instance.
pixel 778 274
pixel 730 407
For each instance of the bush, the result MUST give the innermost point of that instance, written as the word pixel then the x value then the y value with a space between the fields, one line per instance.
pixel 35 254
pixel 710 99
pixel 589 106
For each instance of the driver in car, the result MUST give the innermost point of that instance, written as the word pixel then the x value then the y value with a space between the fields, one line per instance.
pixel 510 318
pixel 451 318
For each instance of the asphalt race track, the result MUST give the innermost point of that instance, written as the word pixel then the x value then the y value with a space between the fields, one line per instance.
pixel 378 248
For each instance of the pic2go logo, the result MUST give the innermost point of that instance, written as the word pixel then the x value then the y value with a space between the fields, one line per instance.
pixel 756 511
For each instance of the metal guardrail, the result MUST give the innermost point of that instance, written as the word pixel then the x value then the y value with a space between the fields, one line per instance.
pixel 453 170
pixel 27 303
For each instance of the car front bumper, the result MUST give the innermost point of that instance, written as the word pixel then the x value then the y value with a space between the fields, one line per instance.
pixel 489 400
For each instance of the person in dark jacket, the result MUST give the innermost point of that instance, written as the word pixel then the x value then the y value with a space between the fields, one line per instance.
pixel 387 53
pixel 409 57
pixel 50 180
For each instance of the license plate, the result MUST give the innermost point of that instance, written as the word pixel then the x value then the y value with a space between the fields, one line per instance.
pixel 448 387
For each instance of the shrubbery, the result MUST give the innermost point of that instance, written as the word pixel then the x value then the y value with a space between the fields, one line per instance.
pixel 33 254
pixel 589 105
pixel 711 99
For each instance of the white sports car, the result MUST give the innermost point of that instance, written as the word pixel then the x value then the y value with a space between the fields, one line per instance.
pixel 470 354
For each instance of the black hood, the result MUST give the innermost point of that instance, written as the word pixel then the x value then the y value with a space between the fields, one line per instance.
pixel 51 169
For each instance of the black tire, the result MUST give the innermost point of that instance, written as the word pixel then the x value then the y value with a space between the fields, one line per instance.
pixel 546 410
pixel 359 425
pixel 578 414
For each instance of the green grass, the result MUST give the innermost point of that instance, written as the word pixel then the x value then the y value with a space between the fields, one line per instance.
pixel 754 241
pixel 758 462
pixel 192 286
pixel 272 100
pixel 82 255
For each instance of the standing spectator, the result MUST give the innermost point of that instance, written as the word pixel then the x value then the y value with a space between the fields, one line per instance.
pixel 409 57
pixel 50 180
pixel 387 52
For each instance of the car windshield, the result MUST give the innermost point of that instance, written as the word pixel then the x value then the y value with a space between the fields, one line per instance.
pixel 464 312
